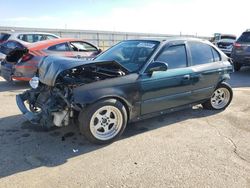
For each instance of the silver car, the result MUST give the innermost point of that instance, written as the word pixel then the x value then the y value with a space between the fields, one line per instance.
pixel 26 37
pixel 225 43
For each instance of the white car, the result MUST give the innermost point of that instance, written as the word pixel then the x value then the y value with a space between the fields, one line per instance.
pixel 26 37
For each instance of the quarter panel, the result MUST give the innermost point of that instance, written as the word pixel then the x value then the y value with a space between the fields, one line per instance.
pixel 206 77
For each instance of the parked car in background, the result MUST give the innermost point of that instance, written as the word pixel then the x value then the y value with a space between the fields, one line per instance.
pixel 225 42
pixel 21 64
pixel 13 40
pixel 226 45
pixel 8 46
pixel 133 80
pixel 241 51
pixel 26 37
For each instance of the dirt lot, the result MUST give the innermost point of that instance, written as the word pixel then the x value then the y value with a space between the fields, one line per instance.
pixel 190 148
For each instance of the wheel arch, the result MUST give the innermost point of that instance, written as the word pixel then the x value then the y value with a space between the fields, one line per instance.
pixel 122 100
pixel 223 82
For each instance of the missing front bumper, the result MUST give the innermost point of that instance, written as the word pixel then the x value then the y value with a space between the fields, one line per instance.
pixel 30 116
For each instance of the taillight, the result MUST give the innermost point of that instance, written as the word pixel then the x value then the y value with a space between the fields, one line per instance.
pixel 26 57
pixel 237 45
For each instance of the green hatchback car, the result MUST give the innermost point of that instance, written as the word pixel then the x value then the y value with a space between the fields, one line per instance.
pixel 133 80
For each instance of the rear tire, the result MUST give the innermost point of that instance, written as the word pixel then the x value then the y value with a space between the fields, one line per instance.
pixel 220 99
pixel 104 121
pixel 237 66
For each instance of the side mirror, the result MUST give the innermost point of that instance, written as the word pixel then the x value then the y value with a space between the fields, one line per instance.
pixel 157 66
pixel 99 50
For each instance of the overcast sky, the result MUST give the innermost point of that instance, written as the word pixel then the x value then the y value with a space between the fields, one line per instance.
pixel 202 17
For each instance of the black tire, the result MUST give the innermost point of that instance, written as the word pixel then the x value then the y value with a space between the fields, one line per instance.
pixel 86 115
pixel 237 66
pixel 208 104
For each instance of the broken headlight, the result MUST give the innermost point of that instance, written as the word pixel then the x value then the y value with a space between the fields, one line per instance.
pixel 34 82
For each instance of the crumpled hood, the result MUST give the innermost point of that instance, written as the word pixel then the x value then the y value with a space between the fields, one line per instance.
pixel 51 66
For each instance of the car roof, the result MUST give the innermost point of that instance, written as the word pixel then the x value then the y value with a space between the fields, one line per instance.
pixel 24 43
pixel 246 32
pixel 170 39
pixel 27 32
pixel 229 35
pixel 47 43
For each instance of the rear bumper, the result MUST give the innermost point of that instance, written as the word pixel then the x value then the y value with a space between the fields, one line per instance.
pixel 14 72
pixel 241 59
pixel 6 71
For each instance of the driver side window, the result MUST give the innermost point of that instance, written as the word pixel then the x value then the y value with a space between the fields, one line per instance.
pixel 174 56
pixel 82 46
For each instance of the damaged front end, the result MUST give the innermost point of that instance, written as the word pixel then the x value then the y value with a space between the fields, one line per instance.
pixel 47 106
pixel 51 102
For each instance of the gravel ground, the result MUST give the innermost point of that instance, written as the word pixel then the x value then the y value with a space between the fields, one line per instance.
pixel 190 148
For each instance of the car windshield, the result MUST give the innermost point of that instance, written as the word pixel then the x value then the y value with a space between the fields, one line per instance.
pixel 227 40
pixel 228 37
pixel 245 37
pixel 130 54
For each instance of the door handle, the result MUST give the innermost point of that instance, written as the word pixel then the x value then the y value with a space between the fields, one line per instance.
pixel 186 77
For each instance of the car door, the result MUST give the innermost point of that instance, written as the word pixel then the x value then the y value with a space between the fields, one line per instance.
pixel 207 69
pixel 167 89
pixel 61 49
pixel 83 50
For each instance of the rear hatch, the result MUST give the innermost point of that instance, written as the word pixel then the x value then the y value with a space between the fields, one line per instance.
pixel 242 45
pixel 14 55
pixel 4 37
pixel 8 65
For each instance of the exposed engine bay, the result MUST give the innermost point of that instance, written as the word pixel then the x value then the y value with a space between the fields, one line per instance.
pixel 47 106
pixel 87 74
pixel 53 104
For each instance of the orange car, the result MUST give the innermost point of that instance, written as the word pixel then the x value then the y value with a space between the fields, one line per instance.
pixel 21 64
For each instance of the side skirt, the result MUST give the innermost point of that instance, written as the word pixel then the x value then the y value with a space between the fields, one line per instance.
pixel 167 111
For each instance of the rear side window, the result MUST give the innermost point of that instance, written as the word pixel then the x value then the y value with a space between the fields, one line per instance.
pixel 26 38
pixel 31 38
pixel 4 36
pixel 37 38
pixel 216 55
pixel 60 47
pixel 82 46
pixel 201 53
pixel 245 37
pixel 49 37
pixel 174 56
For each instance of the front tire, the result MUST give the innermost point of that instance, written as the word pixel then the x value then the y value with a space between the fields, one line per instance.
pixel 220 99
pixel 104 121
